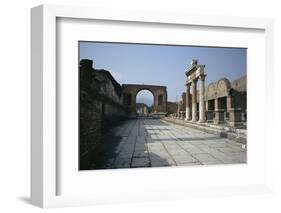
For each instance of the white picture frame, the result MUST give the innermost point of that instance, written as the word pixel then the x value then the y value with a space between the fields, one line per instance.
pixel 44 154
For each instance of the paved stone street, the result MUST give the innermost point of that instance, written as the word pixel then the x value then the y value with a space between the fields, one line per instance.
pixel 154 143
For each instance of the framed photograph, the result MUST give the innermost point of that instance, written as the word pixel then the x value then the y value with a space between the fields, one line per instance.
pixel 130 106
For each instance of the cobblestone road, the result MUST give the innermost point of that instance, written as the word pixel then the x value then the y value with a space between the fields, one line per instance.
pixel 154 143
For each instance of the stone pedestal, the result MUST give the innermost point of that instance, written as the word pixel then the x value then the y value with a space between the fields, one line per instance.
pixel 219 116
pixel 234 117
pixel 210 115
pixel 228 102
pixel 183 115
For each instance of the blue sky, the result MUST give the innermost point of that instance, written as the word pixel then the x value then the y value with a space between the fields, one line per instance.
pixel 163 64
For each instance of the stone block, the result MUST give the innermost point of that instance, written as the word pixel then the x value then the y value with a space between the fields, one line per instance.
pixel 234 117
pixel 210 115
pixel 140 162
pixel 219 116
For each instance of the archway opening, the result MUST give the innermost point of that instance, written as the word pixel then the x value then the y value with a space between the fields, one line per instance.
pixel 144 102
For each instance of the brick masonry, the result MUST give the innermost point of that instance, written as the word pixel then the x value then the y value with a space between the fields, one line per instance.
pixel 100 108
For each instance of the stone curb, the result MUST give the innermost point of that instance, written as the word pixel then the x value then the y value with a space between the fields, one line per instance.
pixel 240 138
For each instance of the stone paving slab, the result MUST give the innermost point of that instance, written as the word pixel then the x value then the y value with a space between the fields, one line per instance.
pixel 230 150
pixel 122 163
pixel 193 150
pixel 138 154
pixel 181 160
pixel 159 163
pixel 140 162
pixel 206 159
pixel 189 164
pixel 154 143
pixel 162 161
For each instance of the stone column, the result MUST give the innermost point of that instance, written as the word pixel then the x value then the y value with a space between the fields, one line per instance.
pixel 187 109
pixel 201 99
pixel 194 104
pixel 228 103
pixel 228 107
pixel 216 104
pixel 216 117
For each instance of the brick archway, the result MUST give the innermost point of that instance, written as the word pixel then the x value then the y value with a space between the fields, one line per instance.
pixel 159 93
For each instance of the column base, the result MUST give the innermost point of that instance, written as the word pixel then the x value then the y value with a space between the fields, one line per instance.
pixel 187 114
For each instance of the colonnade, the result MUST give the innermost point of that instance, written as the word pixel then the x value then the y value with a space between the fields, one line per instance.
pixel 195 73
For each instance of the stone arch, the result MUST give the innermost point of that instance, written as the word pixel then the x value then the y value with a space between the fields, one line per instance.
pixel 222 87
pixel 160 100
pixel 211 91
pixel 151 92
pixel 157 91
pixel 218 89
pixel 144 88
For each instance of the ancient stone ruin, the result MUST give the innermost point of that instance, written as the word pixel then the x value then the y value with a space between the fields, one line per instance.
pixel 100 107
pixel 221 102
pixel 159 93
pixel 104 103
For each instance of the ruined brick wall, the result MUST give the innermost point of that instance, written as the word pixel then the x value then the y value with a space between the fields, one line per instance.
pixel 100 108
pixel 90 124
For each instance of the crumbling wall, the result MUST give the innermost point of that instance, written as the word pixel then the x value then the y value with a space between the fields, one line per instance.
pixel 100 108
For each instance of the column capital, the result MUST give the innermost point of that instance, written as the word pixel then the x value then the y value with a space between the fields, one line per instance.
pixel 188 85
pixel 202 77
pixel 194 81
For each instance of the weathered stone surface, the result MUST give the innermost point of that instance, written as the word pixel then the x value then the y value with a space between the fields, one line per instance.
pixel 140 162
pixel 130 92
pixel 219 116
pixel 100 108
pixel 167 144
pixel 217 99
pixel 238 135
pixel 144 143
